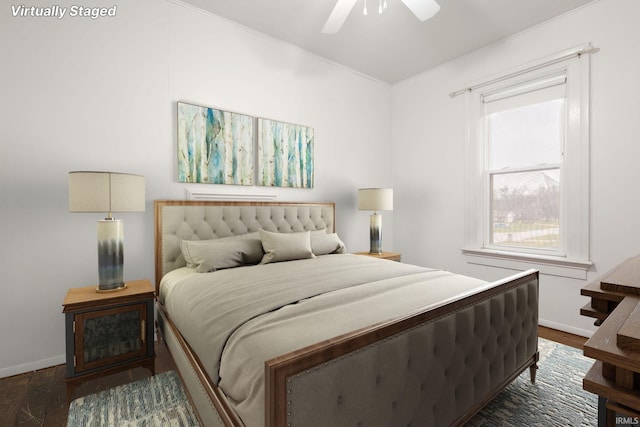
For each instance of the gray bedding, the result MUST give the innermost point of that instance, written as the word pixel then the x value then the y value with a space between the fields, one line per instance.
pixel 236 319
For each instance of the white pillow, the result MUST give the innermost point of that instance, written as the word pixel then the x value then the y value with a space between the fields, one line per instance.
pixel 226 252
pixel 285 246
pixel 323 244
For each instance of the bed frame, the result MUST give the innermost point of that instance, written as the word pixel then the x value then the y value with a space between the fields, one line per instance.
pixel 437 366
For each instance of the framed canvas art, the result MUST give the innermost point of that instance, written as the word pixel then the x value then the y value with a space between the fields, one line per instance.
pixel 285 154
pixel 214 146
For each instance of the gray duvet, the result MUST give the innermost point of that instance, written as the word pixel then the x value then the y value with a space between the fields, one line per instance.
pixel 237 319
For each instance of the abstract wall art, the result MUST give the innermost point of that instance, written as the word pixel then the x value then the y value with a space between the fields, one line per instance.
pixel 214 146
pixel 285 154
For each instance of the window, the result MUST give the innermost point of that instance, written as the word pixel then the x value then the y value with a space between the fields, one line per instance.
pixel 528 169
pixel 525 139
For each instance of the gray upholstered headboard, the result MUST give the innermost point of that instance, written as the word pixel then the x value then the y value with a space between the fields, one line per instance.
pixel 177 220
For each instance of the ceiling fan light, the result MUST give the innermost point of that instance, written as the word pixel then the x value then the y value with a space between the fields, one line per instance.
pixel 423 9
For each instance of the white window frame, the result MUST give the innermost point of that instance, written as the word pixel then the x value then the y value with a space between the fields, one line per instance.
pixel 573 258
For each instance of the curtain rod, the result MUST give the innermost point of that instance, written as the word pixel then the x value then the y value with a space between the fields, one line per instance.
pixel 571 53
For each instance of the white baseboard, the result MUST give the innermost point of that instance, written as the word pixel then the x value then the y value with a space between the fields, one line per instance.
pixel 32 366
pixel 565 328
pixel 39 364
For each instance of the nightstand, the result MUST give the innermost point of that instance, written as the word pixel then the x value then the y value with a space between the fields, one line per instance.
pixel 108 332
pixel 393 256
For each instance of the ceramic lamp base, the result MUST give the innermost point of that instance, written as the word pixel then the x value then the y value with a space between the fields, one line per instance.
pixel 375 234
pixel 110 255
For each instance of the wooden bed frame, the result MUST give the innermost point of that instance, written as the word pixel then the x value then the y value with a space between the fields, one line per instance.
pixel 292 379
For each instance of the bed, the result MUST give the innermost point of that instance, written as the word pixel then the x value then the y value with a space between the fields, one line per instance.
pixel 271 322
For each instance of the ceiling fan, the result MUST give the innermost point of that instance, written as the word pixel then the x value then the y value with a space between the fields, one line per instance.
pixel 423 9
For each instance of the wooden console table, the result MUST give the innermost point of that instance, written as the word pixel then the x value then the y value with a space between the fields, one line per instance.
pixel 615 376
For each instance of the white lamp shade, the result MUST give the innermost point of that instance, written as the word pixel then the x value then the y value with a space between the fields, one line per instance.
pixel 106 192
pixel 375 199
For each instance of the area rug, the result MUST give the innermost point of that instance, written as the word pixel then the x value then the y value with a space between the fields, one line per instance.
pixel 151 402
pixel 555 399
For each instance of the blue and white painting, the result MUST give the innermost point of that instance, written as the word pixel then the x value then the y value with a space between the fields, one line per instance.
pixel 285 154
pixel 214 146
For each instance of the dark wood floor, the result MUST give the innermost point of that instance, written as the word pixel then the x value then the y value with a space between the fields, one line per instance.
pixel 39 398
pixel 562 337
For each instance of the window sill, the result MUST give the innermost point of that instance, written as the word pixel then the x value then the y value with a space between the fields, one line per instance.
pixel 549 265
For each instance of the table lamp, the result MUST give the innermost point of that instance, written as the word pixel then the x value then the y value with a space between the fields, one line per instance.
pixel 375 199
pixel 107 192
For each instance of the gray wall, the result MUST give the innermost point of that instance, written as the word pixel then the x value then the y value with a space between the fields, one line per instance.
pixel 429 150
pixel 83 94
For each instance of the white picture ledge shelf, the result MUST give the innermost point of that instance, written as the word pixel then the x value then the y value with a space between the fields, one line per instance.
pixel 207 195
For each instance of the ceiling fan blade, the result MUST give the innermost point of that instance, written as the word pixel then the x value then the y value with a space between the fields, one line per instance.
pixel 423 9
pixel 338 16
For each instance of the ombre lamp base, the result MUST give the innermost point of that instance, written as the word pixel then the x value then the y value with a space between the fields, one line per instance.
pixel 375 234
pixel 110 255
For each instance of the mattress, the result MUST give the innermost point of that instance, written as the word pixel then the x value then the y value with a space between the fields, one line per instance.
pixel 236 319
pixel 172 278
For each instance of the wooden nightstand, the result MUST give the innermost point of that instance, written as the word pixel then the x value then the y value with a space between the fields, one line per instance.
pixel 108 332
pixel 393 256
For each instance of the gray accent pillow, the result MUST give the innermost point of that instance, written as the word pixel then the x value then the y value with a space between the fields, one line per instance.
pixel 324 244
pixel 285 246
pixel 226 252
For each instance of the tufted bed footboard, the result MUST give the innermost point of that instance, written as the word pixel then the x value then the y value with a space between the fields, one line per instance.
pixel 434 368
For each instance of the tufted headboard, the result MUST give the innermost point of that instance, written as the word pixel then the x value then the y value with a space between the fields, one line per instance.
pixel 177 220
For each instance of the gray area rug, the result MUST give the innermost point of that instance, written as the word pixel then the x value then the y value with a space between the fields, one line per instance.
pixel 151 402
pixel 556 398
